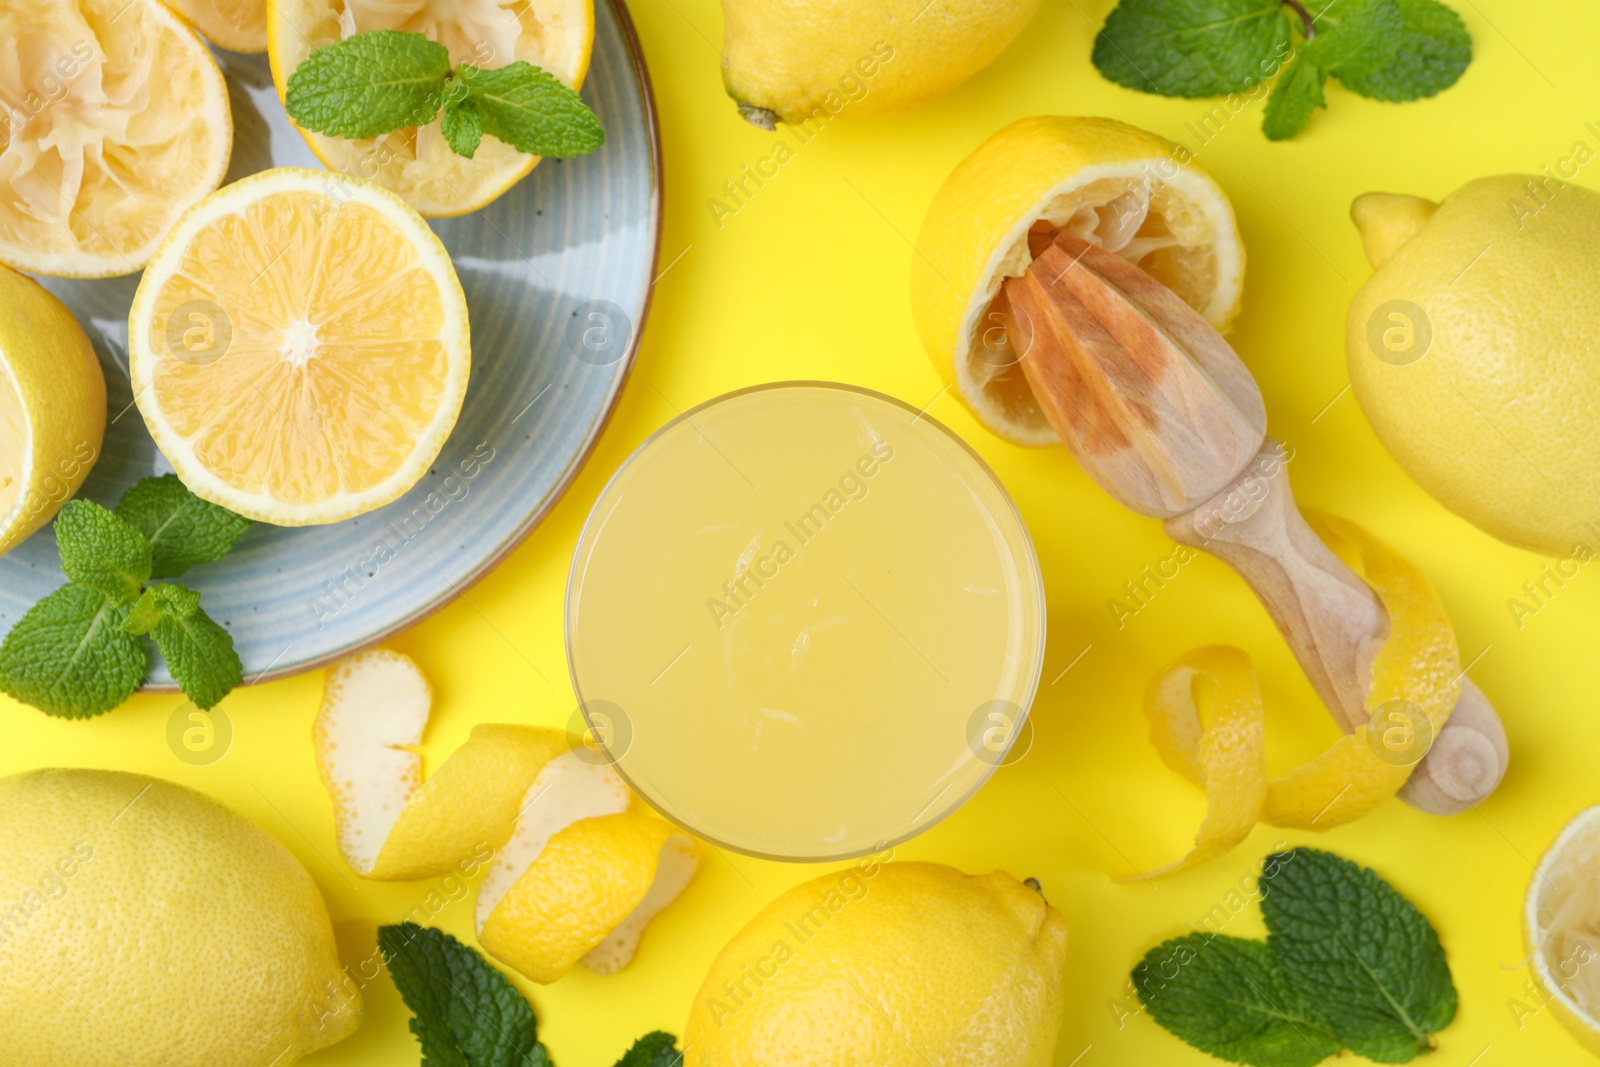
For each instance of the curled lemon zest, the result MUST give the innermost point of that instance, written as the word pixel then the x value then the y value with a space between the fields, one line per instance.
pixel 1206 720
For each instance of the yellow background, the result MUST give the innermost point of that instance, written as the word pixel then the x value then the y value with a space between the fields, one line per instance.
pixel 809 280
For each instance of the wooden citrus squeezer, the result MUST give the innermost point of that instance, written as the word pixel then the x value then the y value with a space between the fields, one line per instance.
pixel 1162 413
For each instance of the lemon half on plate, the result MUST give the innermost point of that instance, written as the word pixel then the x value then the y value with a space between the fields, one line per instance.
pixel 299 347
pixel 416 162
pixel 117 120
pixel 1109 183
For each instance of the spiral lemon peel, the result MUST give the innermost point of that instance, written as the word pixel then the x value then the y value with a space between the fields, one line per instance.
pixel 1206 718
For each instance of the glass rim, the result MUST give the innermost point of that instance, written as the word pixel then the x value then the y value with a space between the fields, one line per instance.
pixel 1028 687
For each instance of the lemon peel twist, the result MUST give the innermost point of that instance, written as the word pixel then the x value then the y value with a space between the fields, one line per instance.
pixel 573 871
pixel 1206 722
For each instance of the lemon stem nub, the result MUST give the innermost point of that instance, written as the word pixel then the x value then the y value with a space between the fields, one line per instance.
pixel 1388 220
pixel 766 118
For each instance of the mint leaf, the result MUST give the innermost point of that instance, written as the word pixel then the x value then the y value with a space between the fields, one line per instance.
pixel 369 84
pixel 1192 47
pixel 1362 33
pixel 1295 96
pixel 101 551
pixel 655 1049
pixel 199 653
pixel 183 530
pixel 530 110
pixel 1433 51
pixel 1369 964
pixel 160 602
pixel 68 655
pixel 1228 997
pixel 462 127
pixel 467 1014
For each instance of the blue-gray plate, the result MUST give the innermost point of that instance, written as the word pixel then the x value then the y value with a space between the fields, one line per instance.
pixel 557 274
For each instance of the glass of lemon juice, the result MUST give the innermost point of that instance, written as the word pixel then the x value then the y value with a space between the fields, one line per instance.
pixel 805 621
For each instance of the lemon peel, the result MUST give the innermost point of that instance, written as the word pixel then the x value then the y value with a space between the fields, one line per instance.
pixel 1205 713
pixel 573 875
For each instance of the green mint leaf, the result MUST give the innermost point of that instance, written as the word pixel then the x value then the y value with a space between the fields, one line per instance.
pixel 1364 34
pixel 1368 963
pixel 530 110
pixel 369 84
pixel 1228 997
pixel 655 1049
pixel 1433 51
pixel 101 551
pixel 69 656
pixel 1192 47
pixel 160 602
pixel 1294 97
pixel 466 1013
pixel 199 653
pixel 462 127
pixel 183 530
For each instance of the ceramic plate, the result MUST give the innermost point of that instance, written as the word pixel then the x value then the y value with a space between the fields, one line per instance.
pixel 557 274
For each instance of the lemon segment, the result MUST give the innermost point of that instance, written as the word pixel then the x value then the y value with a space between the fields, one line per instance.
pixel 1206 716
pixel 299 347
pixel 134 128
pixel 1560 916
pixel 175 931
pixel 887 965
pixel 1111 184
pixel 588 896
pixel 416 162
pixel 52 407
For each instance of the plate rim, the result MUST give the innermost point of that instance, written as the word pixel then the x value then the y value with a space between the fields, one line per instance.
pixel 630 35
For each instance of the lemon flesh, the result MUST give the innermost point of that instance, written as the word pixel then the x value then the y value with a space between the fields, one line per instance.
pixel 52 407
pixel 117 121
pixel 888 964
pixel 237 25
pixel 147 926
pixel 1471 352
pixel 806 60
pixel 1560 918
pixel 416 162
pixel 299 347
pixel 1108 183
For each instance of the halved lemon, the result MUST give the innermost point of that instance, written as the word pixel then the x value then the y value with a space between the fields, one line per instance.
pixel 52 407
pixel 299 347
pixel 1126 190
pixel 416 162
pixel 237 25
pixel 1561 921
pixel 116 121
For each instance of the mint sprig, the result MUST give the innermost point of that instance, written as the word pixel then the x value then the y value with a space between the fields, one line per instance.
pixel 1391 50
pixel 1348 962
pixel 384 80
pixel 466 1013
pixel 77 652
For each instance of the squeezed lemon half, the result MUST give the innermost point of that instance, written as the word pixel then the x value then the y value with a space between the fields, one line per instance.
pixel 299 347
pixel 116 121
pixel 416 162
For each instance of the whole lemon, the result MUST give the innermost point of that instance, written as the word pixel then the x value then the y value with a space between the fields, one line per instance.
pixel 887 965
pixel 145 925
pixel 1473 351
pixel 804 61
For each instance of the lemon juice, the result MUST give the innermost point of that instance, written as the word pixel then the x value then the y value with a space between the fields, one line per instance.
pixel 805 621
